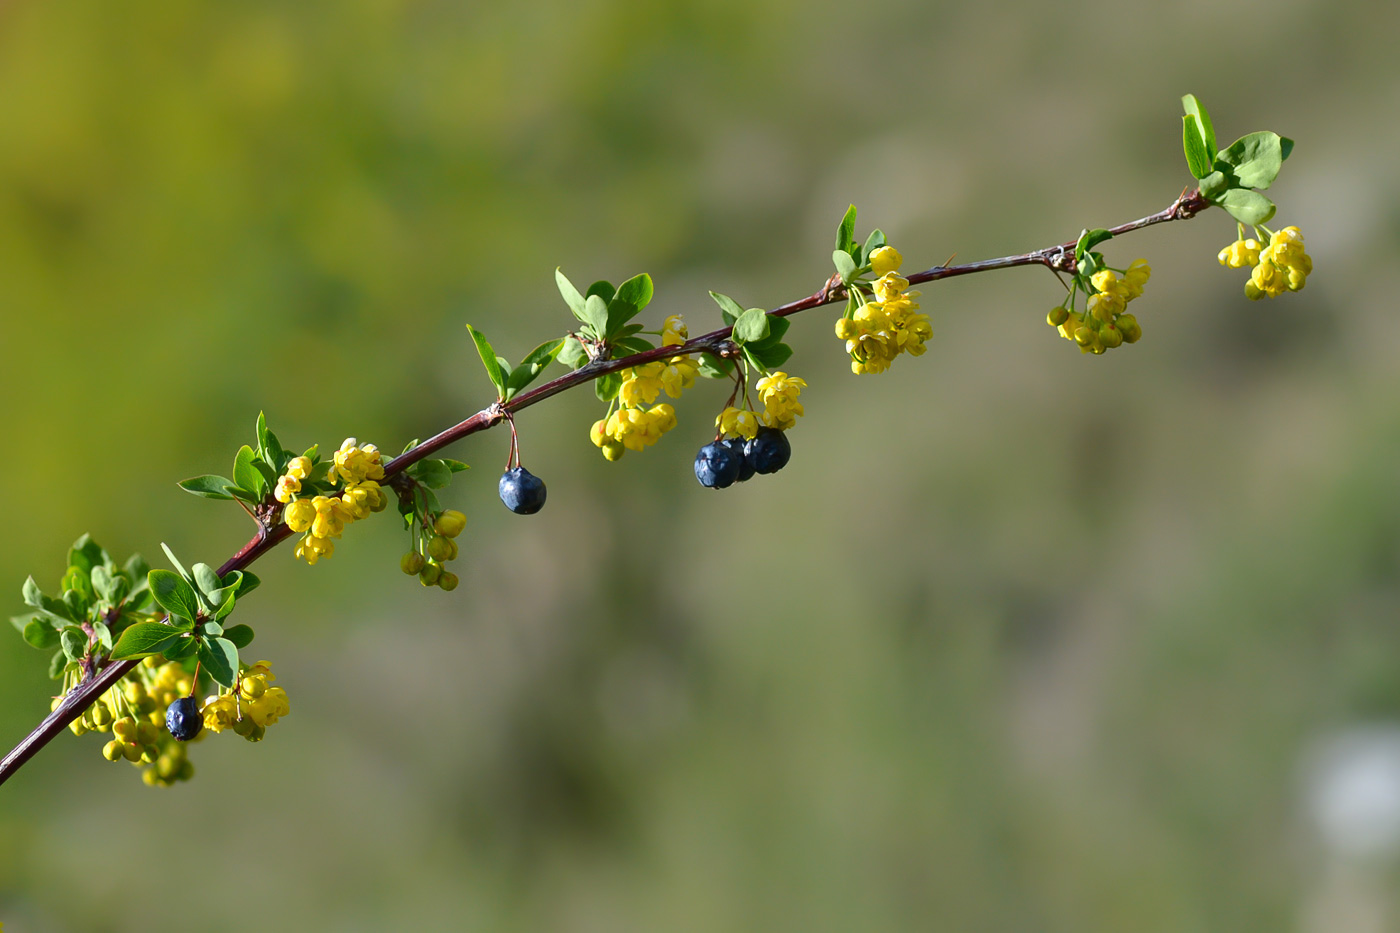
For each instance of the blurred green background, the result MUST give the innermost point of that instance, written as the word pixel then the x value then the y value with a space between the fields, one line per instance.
pixel 1020 641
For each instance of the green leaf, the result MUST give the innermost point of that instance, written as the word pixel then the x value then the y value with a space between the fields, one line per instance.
pixel 182 647
pixel 1089 239
pixel 728 308
pixel 74 641
pixel 432 473
pixel 20 621
pixel 208 582
pixel 102 582
pixel 86 553
pixel 211 628
pixel 777 326
pixel 39 633
pixel 1214 185
pixel 208 486
pixel 603 289
pixel 572 354
pixel 175 562
pixel 872 243
pixel 456 466
pixel 715 367
pixel 1255 159
pixel 245 580
pixel 103 634
pixel 631 297
pixel 571 296
pixel 245 475
pixel 595 313
pixel 56 664
pixel 1197 159
pixel 1285 146
pixel 532 366
pixel 752 325
pixel 240 635
pixel 220 658
pixel 606 386
pixel 846 233
pixel 174 594
pixel 33 596
pixel 488 359
pixel 845 265
pixel 226 604
pixel 633 345
pixel 1248 207
pixel 143 639
pixel 1198 110
pixel 77 603
pixel 769 357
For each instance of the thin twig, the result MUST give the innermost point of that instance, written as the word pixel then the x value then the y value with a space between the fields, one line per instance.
pixel 1059 258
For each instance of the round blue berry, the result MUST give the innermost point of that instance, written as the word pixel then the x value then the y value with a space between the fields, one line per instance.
pixel 183 719
pixel 740 449
pixel 769 450
pixel 522 491
pixel 717 465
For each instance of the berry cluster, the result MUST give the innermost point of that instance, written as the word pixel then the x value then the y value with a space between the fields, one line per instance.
pixel 878 331
pixel 1280 267
pixel 1103 325
pixel 324 517
pixel 434 546
pixel 133 711
pixel 730 460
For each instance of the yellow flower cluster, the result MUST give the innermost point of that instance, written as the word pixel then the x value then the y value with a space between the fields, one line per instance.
pixel 250 707
pixel 1104 324
pixel 632 429
pixel 882 329
pixel 323 518
pixel 779 392
pixel 737 422
pixel 133 710
pixel 1280 267
pixel 632 426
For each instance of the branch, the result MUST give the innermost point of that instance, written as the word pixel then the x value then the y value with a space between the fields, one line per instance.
pixel 1059 257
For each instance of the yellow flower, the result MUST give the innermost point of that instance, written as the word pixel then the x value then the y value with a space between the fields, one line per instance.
pixel 885 259
pixel 673 331
pixel 355 463
pixel 737 422
pixel 299 515
pixel 312 548
pixel 287 487
pixel 269 707
pixel 220 712
pixel 890 286
pixel 679 373
pixel 299 467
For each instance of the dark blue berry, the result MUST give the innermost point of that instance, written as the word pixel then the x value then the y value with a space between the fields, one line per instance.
pixel 183 719
pixel 769 450
pixel 717 465
pixel 739 447
pixel 522 491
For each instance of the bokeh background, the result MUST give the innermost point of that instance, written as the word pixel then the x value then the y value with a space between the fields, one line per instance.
pixel 1020 641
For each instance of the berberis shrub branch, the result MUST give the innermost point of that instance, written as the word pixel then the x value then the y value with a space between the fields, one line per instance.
pixel 151 659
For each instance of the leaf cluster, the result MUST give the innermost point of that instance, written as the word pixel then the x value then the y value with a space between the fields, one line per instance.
pixel 759 333
pixel 1227 176
pixel 97 602
pixel 427 474
pixel 256 469
pixel 196 603
pixel 852 260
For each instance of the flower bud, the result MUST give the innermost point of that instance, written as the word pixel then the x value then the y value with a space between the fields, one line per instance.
pixel 450 523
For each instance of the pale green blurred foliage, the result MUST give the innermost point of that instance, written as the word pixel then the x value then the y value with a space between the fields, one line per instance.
pixel 1021 640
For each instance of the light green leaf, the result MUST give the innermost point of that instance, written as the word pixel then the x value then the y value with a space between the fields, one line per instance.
pixel 1089 239
pixel 142 639
pixel 572 354
pixel 208 486
pixel 1255 159
pixel 1198 110
pixel 595 313
pixel 606 386
pixel 572 298
pixel 1248 207
pixel 220 658
pixel 240 635
pixel 845 265
pixel 1214 185
pixel 247 476
pixel 1197 159
pixel 728 308
pixel 33 596
pixel 39 633
pixel 846 233
pixel 532 366
pixel 488 359
pixel 752 325
pixel 174 594
pixel 872 243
